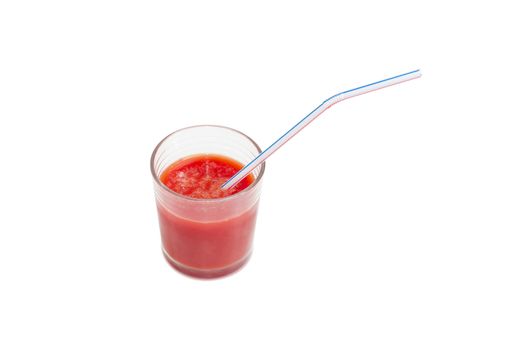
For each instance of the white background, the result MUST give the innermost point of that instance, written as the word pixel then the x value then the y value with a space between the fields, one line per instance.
pixel 381 225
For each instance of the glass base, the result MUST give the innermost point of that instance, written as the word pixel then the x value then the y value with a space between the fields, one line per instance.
pixel 206 273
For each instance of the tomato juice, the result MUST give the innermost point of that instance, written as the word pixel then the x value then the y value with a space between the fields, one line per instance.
pixel 209 232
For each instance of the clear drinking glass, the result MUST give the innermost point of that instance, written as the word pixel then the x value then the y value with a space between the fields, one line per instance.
pixel 206 238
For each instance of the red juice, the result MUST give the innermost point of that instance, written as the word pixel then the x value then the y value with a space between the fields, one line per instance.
pixel 195 240
pixel 201 176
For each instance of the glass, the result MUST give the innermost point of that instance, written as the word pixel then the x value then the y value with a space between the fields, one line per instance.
pixel 206 238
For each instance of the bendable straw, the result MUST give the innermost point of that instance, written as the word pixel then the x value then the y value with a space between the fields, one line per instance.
pixel 313 115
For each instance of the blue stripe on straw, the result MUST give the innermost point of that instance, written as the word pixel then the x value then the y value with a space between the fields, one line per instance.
pixel 377 82
pixel 315 109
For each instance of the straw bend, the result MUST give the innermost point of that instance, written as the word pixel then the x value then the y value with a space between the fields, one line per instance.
pixel 260 158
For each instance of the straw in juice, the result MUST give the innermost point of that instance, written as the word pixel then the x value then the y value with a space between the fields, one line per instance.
pixel 313 115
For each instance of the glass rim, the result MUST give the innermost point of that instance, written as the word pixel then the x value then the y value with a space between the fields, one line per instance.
pixel 202 200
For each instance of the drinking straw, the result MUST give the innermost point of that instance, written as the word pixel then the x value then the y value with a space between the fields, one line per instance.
pixel 260 158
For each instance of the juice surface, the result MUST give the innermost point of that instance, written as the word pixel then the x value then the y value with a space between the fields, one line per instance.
pixel 201 176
